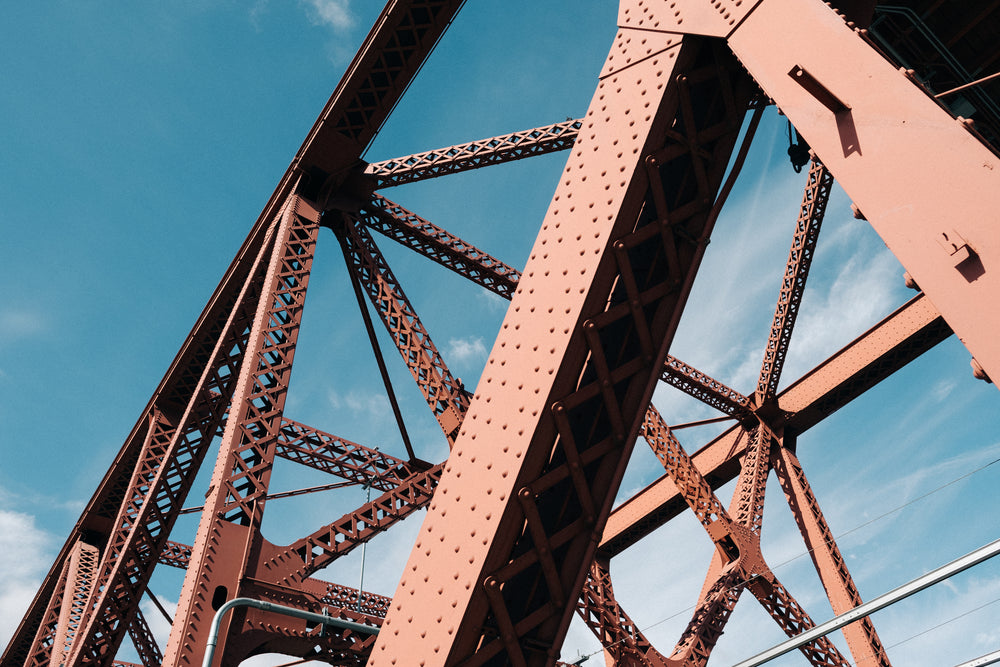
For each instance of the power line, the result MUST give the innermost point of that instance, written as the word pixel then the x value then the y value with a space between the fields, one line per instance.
pixel 906 590
pixel 836 537
pixel 944 623
pixel 893 511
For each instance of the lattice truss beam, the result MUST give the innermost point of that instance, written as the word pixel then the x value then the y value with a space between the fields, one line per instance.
pixel 519 516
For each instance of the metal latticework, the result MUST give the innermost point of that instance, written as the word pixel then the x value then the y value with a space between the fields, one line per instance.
pixel 521 517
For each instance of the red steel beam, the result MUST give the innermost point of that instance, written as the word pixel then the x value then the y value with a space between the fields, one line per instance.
pixel 819 182
pixel 895 150
pixel 862 639
pixel 412 231
pixel 337 595
pixel 172 448
pixel 346 597
pixel 794 620
pixel 475 154
pixel 175 554
pixel 400 40
pixel 445 395
pixel 312 553
pixel 144 642
pixel 885 348
pixel 738 556
pixel 389 58
pixel 621 638
pixel 565 393
pixel 178 388
pixel 681 469
pixel 550 489
pixel 341 457
pixel 39 653
pixel 70 606
pixel 706 389
pixel 738 562
pixel 235 503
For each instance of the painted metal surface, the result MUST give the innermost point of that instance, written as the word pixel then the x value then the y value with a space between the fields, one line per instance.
pixel 579 378
pixel 520 529
pixel 888 346
pixel 894 149
pixel 474 154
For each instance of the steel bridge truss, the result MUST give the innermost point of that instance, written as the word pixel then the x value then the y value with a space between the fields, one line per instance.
pixel 520 530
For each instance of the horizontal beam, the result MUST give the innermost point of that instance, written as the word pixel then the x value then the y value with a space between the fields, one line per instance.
pixel 409 229
pixel 705 388
pixel 475 154
pixel 317 550
pixel 881 602
pixel 875 355
pixel 175 554
pixel 338 456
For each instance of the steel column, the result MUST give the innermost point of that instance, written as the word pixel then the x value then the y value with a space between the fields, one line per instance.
pixel 579 378
pixel 895 150
pixel 227 541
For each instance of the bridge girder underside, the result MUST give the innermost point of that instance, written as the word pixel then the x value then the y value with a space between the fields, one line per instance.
pixel 521 519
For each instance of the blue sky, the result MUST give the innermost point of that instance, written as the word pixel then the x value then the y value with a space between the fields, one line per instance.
pixel 140 142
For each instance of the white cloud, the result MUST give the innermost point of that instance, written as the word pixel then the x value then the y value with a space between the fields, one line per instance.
pixel 494 302
pixel 467 350
pixel 24 557
pixel 943 388
pixel 158 625
pixel 21 323
pixel 257 11
pixel 358 401
pixel 335 14
pixel 862 293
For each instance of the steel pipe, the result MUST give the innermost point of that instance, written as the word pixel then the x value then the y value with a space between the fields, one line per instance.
pixel 981 661
pixel 906 590
pixel 323 619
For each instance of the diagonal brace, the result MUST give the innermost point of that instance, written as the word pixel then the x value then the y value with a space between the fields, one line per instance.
pixel 451 252
pixel 706 389
pixel 475 154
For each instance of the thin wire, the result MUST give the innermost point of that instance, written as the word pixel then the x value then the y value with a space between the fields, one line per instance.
pixel 893 511
pixel 286 494
pixel 942 624
pixel 364 550
pixel 939 625
pixel 345 243
pixel 701 422
pixel 741 584
pixel 971 84
pixel 296 662
pixel 159 607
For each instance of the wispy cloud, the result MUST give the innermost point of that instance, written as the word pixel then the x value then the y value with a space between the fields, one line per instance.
pixel 335 14
pixel 18 323
pixel 913 485
pixel 467 350
pixel 24 555
pixel 159 626
pixel 358 401
pixel 494 302
pixel 257 12
pixel 863 292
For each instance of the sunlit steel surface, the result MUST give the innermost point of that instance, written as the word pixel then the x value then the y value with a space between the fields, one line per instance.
pixel 520 527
